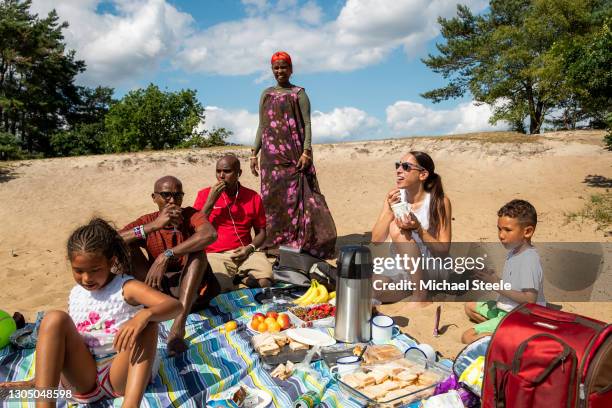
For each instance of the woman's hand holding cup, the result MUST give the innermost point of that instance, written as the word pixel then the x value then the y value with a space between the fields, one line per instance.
pixel 393 197
pixel 408 222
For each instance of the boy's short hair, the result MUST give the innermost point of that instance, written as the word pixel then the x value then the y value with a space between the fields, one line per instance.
pixel 521 210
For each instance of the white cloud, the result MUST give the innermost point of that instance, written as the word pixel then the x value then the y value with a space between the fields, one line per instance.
pixel 405 118
pixel 311 13
pixel 241 122
pixel 364 33
pixel 340 124
pixel 137 37
pixel 343 124
pixel 253 7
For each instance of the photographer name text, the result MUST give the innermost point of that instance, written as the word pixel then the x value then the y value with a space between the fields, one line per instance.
pixel 434 285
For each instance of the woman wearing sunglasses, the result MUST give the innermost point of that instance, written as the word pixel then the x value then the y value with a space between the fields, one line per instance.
pixel 428 225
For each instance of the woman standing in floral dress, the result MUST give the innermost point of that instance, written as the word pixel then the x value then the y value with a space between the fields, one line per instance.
pixel 296 211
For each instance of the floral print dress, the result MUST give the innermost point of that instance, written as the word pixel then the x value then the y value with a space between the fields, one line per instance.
pixel 296 212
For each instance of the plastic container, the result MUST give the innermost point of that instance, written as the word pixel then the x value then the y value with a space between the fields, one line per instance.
pixel 297 322
pixel 439 370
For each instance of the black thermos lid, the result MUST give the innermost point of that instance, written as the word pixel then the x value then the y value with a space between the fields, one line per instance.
pixel 355 262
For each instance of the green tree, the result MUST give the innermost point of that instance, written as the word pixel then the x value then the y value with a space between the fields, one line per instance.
pixel 9 147
pixel 506 57
pixel 216 137
pixel 37 75
pixel 153 119
pixel 86 130
pixel 586 65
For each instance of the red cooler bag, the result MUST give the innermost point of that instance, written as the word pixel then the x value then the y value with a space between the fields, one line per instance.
pixel 539 357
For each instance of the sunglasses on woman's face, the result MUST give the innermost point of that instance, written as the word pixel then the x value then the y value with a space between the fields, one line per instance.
pixel 407 166
pixel 167 194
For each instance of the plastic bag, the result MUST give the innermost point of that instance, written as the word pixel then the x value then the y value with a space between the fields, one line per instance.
pixel 27 336
pixel 452 383
pixel 473 374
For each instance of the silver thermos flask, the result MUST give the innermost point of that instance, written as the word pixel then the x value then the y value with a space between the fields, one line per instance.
pixel 353 294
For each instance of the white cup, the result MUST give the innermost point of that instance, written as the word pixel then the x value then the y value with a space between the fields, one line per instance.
pixel 423 350
pixel 400 209
pixel 383 329
pixel 345 365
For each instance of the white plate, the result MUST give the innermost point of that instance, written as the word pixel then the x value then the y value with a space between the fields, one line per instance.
pixel 311 337
pixel 255 398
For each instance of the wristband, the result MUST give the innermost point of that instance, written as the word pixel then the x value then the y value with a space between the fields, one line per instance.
pixel 139 231
pixel 254 247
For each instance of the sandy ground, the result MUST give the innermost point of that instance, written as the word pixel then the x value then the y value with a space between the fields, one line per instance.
pixel 43 200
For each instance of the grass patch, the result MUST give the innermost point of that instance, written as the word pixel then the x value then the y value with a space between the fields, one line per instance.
pixel 598 209
pixel 494 137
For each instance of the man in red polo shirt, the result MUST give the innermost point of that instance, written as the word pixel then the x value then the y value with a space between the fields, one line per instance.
pixel 173 238
pixel 234 211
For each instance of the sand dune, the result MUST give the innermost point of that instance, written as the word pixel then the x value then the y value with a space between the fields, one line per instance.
pixel 43 200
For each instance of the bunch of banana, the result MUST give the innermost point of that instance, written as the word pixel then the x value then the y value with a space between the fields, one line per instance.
pixel 314 295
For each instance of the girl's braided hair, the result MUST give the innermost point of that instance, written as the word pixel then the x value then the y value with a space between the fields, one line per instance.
pixel 99 236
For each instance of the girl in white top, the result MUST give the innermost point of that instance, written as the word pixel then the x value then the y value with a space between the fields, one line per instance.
pixel 106 345
pixel 429 223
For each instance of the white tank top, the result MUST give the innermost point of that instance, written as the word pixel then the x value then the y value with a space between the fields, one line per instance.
pixel 422 213
pixel 99 314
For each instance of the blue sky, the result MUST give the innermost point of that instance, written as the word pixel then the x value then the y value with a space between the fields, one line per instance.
pixel 359 60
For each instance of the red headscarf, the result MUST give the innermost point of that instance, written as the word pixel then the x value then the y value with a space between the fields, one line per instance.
pixel 281 56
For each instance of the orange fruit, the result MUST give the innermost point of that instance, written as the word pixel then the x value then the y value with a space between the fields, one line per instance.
pixel 231 325
pixel 269 321
pixel 259 318
pixel 274 327
pixel 254 325
pixel 262 327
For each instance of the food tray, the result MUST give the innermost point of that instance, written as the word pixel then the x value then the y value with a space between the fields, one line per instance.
pixel 280 297
pixel 331 354
pixel 411 396
pixel 284 355
pixel 287 355
pixel 329 321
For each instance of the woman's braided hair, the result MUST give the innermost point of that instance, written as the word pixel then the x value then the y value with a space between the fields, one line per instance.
pixel 99 236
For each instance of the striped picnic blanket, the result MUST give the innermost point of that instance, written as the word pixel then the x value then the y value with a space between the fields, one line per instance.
pixel 215 361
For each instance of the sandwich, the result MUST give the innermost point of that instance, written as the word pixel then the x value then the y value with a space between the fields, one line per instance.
pixel 374 391
pixel 378 375
pixel 407 375
pixel 380 353
pixel 351 380
pixel 280 339
pixel 296 346
pixel 283 371
pixel 239 396
pixel 265 345
pixel 399 393
pixel 364 379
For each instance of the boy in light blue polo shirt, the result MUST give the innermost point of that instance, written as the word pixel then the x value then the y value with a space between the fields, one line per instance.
pixel 516 224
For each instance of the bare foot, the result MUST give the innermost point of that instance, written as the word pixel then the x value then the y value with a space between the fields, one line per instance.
pixel 18 384
pixel 176 343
